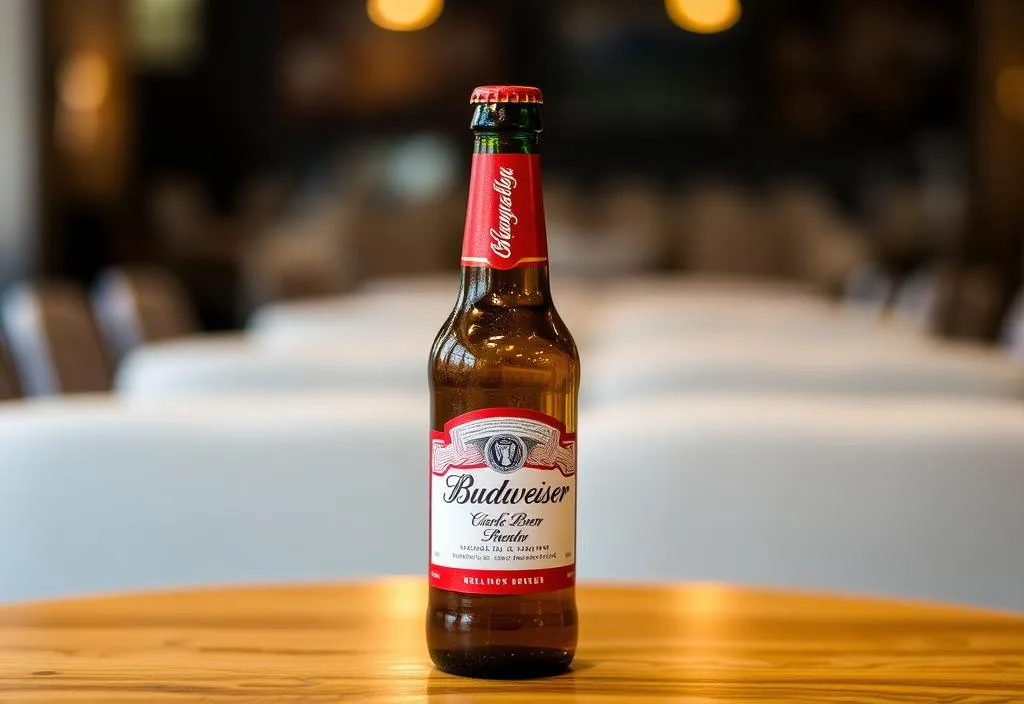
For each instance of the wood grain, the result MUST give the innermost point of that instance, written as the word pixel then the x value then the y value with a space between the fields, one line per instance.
pixel 364 643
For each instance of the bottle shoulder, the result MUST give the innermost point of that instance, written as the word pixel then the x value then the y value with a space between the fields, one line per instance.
pixel 520 335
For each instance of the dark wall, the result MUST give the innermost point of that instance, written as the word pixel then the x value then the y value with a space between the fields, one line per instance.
pixel 645 99
pixel 216 119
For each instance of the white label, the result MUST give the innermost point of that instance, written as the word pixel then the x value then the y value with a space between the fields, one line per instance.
pixel 503 500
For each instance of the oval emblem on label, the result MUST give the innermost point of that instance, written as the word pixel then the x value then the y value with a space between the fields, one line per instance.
pixel 505 453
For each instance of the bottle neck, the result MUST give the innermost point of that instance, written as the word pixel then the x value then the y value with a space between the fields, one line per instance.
pixel 505 245
pixel 506 143
pixel 515 287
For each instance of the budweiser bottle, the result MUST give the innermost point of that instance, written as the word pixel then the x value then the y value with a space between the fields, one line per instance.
pixel 504 378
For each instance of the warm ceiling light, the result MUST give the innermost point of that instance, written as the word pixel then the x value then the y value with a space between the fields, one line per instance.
pixel 704 16
pixel 84 82
pixel 404 15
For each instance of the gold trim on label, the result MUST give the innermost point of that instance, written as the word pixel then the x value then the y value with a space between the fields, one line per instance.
pixel 524 260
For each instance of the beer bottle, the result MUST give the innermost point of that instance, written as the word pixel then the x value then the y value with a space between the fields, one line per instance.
pixel 504 379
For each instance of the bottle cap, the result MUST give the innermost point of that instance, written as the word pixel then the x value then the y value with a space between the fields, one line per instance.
pixel 506 94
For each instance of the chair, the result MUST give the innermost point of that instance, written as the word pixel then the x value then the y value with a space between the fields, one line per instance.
pixel 411 311
pixel 10 388
pixel 700 288
pixel 54 339
pixel 99 496
pixel 914 299
pixel 139 305
pixel 1013 327
pixel 918 499
pixel 823 245
pixel 721 229
pixel 212 365
pixel 773 316
pixel 869 287
pixel 873 366
pixel 918 298
pixel 299 259
pixel 360 317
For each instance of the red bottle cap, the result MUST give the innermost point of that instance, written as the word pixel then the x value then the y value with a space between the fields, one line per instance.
pixel 506 94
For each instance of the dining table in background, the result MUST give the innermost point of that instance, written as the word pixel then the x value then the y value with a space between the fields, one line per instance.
pixel 364 642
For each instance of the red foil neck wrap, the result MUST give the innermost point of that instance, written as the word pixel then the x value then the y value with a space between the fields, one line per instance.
pixel 505 217
pixel 506 94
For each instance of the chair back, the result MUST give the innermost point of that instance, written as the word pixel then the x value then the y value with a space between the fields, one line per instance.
pixel 101 496
pixel 1013 327
pixel 10 387
pixel 140 305
pixel 753 364
pixel 918 499
pixel 365 315
pixel 54 339
pixel 234 365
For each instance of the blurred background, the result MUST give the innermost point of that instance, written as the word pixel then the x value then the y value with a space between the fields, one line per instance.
pixel 851 144
pixel 788 236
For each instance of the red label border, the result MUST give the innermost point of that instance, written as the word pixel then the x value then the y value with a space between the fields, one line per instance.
pixel 502 582
pixel 508 412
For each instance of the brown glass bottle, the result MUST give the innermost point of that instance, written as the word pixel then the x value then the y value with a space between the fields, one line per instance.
pixel 504 378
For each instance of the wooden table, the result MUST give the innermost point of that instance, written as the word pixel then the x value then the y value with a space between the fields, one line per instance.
pixel 364 643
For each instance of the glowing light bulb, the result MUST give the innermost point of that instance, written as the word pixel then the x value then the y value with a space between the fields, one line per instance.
pixel 404 15
pixel 704 16
pixel 84 82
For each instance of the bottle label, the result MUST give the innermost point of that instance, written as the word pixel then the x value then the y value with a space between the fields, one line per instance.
pixel 503 503
pixel 505 217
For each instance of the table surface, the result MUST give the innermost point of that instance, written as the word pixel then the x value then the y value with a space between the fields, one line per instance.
pixel 364 643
